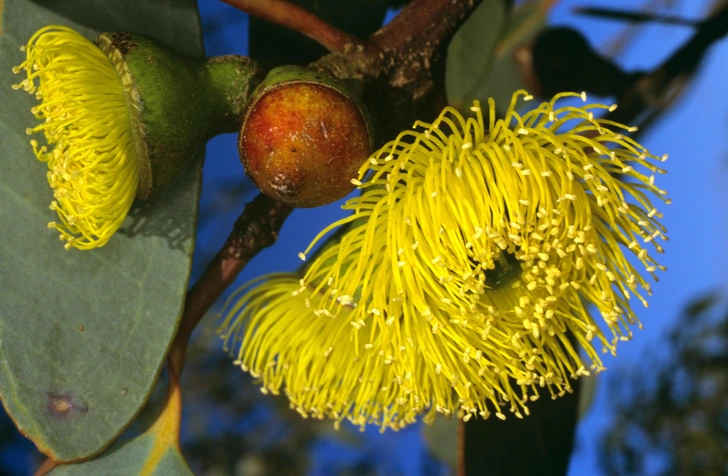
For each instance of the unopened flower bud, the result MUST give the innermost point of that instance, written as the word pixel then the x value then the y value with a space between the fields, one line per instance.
pixel 304 137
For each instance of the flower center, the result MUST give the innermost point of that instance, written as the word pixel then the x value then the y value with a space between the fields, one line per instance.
pixel 507 270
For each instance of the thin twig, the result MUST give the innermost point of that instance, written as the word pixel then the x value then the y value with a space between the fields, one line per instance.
pixel 653 89
pixel 619 42
pixel 634 16
pixel 256 228
pixel 298 19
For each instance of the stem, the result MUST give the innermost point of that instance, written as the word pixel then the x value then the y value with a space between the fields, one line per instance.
pixel 415 41
pixel 404 63
pixel 166 428
pixel 423 26
pixel 47 466
pixel 634 16
pixel 256 228
pixel 298 19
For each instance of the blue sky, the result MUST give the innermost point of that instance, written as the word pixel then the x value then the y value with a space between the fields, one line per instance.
pixel 692 133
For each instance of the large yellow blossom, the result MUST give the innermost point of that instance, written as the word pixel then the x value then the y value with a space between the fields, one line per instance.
pixel 92 165
pixel 467 272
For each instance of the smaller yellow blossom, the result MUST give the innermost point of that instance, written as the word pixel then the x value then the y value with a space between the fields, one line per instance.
pixel 91 159
pixel 468 274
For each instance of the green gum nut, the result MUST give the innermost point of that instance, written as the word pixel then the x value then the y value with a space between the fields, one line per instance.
pixel 176 102
pixel 304 137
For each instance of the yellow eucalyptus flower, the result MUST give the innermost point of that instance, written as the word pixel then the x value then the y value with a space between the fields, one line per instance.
pixel 92 166
pixel 466 273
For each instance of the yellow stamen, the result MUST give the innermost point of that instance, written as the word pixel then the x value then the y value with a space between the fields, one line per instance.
pixel 462 256
pixel 91 162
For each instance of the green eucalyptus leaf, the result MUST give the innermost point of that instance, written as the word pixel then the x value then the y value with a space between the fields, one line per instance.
pixel 441 438
pixel 586 395
pixel 506 75
pixel 470 55
pixel 83 334
pixel 482 58
pixel 137 456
